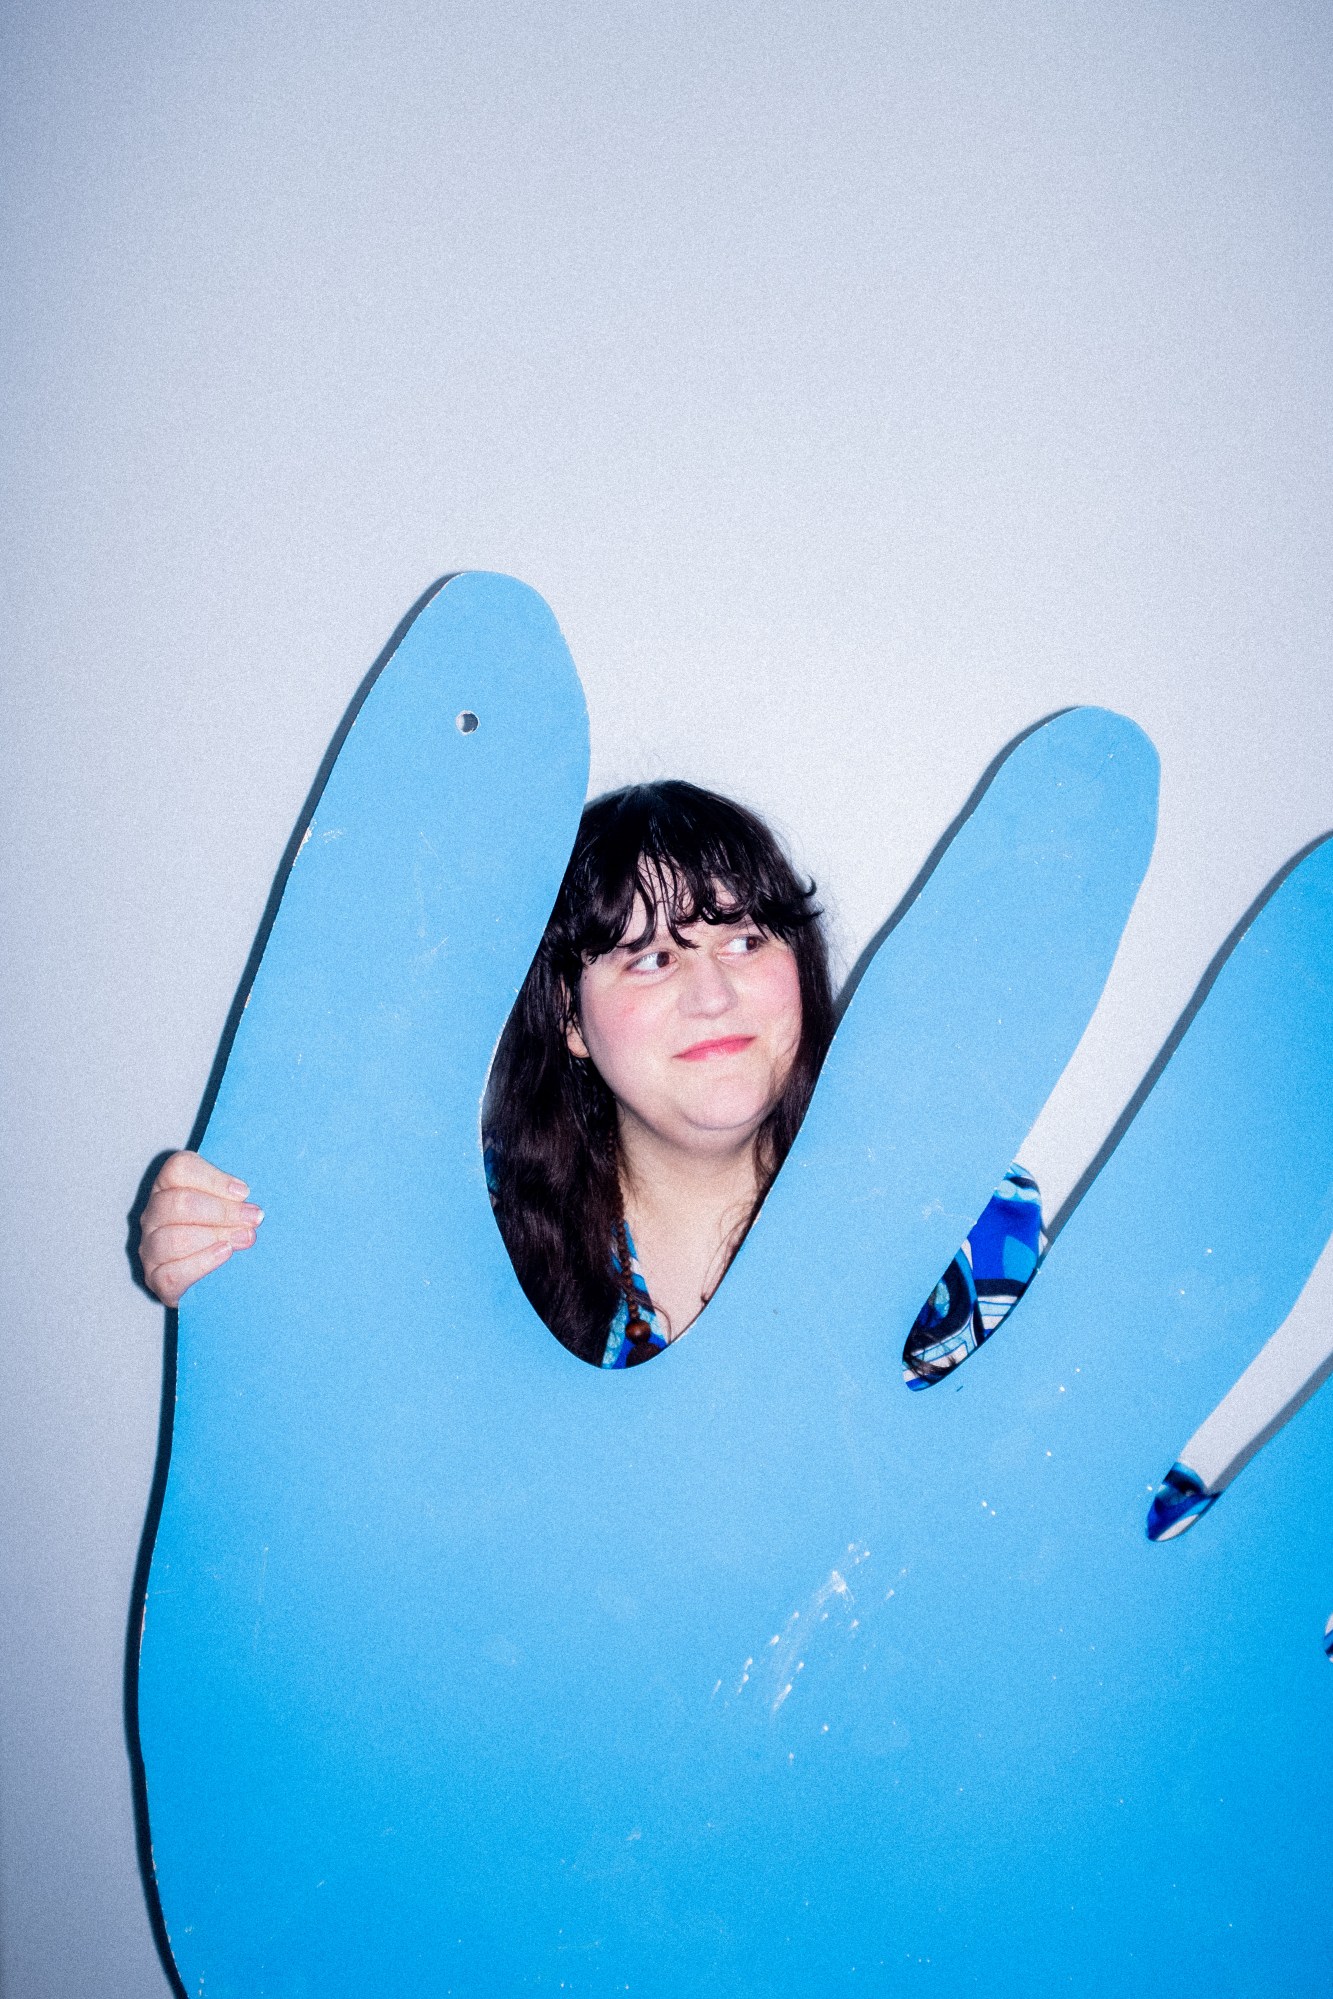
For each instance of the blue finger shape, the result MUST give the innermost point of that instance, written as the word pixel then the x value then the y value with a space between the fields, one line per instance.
pixel 1130 1790
pixel 468 1668
pixel 304 1465
pixel 961 1026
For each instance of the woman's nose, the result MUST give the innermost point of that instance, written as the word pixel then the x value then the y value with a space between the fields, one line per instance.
pixel 708 990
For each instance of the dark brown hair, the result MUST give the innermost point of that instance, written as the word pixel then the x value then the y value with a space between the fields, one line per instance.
pixel 549 1121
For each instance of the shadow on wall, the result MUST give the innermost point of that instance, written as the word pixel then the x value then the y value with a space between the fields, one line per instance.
pixel 1173 1040
pixel 936 855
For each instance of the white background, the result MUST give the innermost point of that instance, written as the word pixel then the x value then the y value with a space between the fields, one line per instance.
pixel 857 382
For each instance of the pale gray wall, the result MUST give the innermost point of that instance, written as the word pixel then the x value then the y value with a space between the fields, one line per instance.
pixel 857 382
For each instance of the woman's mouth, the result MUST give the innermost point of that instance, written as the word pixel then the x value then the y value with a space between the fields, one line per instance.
pixel 727 1044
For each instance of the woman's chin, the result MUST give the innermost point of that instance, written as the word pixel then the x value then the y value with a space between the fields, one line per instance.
pixel 725 1117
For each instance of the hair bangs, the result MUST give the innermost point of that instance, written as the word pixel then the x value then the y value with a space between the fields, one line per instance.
pixel 676 855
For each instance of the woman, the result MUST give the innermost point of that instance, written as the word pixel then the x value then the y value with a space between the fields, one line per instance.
pixel 647 1087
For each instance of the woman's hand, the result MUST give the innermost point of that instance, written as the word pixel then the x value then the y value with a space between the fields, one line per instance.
pixel 194 1219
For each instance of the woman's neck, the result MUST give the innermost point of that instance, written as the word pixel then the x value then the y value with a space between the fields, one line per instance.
pixel 685 1210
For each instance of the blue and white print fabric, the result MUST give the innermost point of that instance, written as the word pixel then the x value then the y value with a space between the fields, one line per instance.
pixel 621 1351
pixel 981 1286
pixel 979 1289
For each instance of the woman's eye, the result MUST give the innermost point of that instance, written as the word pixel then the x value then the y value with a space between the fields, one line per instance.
pixel 650 961
pixel 742 945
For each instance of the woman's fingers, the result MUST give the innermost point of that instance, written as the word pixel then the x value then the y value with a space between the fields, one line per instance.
pixel 184 1204
pixel 191 1190
pixel 192 1170
pixel 195 1217
pixel 169 1245
pixel 171 1280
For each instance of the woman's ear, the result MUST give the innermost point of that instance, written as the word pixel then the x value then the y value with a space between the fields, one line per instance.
pixel 574 1041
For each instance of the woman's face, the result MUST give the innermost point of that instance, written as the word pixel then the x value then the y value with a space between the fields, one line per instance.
pixel 695 1042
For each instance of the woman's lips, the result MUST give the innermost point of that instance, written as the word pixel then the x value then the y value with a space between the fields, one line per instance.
pixel 728 1044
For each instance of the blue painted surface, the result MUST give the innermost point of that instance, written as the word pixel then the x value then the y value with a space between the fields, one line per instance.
pixel 470 1669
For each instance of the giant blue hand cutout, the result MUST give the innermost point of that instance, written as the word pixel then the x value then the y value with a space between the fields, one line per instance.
pixel 470 1669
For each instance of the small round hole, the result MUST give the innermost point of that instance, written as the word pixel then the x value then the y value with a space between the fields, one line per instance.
pixel 465 722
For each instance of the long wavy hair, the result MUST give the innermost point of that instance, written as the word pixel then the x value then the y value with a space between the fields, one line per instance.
pixel 549 1121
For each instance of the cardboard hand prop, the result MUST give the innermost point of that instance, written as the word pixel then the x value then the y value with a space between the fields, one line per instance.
pixel 470 1669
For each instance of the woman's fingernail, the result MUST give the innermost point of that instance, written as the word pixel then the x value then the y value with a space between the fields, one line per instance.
pixel 242 1238
pixel 252 1213
pixel 237 1189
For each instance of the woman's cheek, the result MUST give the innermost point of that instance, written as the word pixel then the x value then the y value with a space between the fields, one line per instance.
pixel 628 1033
pixel 779 994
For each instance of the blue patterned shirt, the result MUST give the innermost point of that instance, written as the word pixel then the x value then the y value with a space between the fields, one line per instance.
pixel 980 1288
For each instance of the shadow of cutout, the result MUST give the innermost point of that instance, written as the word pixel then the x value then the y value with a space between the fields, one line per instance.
pixel 932 861
pixel 1213 972
pixel 1291 1366
pixel 143 1843
pixel 293 848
